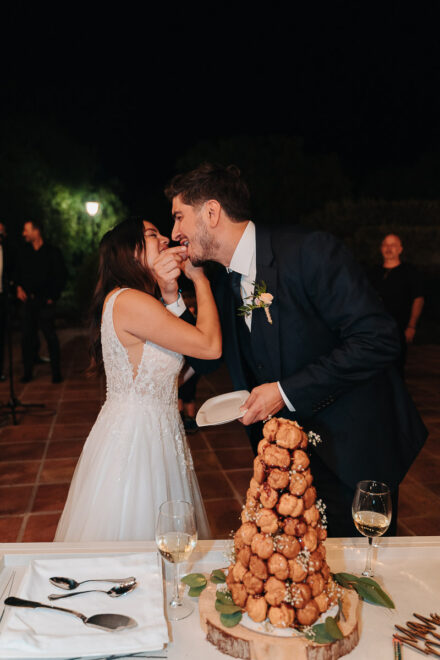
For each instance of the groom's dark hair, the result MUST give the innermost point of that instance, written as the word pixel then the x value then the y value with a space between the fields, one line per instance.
pixel 209 181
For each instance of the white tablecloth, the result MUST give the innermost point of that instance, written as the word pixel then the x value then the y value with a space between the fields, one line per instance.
pixel 408 568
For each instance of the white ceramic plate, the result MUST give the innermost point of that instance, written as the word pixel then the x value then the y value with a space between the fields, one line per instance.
pixel 222 409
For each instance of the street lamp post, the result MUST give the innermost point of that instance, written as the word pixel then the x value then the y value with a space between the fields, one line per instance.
pixel 92 209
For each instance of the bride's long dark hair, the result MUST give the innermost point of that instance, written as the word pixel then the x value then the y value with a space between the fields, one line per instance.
pixel 118 267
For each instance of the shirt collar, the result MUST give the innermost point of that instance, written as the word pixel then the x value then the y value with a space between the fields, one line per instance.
pixel 244 253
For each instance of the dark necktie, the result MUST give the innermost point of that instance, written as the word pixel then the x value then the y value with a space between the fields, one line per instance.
pixel 234 281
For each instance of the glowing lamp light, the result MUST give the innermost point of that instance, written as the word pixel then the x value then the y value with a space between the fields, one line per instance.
pixel 92 208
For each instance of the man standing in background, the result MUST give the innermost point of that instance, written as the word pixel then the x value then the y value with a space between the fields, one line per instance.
pixel 40 278
pixel 3 296
pixel 400 287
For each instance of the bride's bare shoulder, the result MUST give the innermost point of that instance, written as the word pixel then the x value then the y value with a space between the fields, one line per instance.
pixel 133 298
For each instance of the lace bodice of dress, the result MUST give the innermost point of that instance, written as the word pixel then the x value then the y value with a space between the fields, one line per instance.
pixel 156 377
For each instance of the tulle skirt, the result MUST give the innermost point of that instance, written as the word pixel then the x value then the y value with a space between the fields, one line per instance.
pixel 135 458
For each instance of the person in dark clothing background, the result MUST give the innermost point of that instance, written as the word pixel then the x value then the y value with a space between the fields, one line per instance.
pixel 40 278
pixel 4 283
pixel 401 289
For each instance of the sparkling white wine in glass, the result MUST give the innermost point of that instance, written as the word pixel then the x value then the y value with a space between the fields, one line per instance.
pixel 371 510
pixel 370 523
pixel 176 537
pixel 176 547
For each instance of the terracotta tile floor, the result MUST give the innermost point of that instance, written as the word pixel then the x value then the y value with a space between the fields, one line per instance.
pixel 37 457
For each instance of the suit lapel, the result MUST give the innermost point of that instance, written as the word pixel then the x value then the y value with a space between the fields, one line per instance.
pixel 264 335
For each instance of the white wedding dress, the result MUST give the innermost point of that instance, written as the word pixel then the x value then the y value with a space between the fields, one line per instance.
pixel 136 455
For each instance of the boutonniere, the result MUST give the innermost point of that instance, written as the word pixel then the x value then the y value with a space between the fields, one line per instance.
pixel 260 299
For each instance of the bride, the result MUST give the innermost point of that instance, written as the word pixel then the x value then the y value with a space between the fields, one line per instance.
pixel 136 455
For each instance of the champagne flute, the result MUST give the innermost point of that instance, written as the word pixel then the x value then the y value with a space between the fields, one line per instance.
pixel 176 537
pixel 371 511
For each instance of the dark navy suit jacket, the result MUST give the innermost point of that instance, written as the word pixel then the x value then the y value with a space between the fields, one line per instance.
pixel 332 347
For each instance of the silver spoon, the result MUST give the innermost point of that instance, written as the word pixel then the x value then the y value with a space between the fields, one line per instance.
pixel 114 592
pixel 68 583
pixel 103 621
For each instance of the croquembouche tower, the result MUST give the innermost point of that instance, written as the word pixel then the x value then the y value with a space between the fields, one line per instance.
pixel 279 575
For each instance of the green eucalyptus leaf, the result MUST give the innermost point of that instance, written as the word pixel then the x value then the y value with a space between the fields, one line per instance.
pixel 332 628
pixel 338 577
pixel 196 591
pixel 321 635
pixel 225 597
pixel 218 577
pixel 231 620
pixel 374 595
pixel 226 609
pixel 194 580
pixel 368 589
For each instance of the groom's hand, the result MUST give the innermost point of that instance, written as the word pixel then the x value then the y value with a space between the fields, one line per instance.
pixel 167 269
pixel 263 401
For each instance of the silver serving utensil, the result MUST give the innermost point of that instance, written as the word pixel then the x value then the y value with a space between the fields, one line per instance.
pixel 68 583
pixel 114 592
pixel 109 622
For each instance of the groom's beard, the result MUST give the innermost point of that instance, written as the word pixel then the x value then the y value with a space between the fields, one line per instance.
pixel 207 246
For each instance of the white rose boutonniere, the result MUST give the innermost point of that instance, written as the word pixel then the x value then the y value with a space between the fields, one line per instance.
pixel 260 299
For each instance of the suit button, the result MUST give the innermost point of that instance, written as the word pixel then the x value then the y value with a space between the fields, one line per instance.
pixel 259 366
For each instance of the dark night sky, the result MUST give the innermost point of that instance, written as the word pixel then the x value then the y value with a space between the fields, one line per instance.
pixel 354 78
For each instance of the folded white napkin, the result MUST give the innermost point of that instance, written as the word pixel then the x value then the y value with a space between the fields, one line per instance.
pixel 40 633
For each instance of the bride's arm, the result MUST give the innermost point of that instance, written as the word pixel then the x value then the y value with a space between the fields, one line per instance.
pixel 138 315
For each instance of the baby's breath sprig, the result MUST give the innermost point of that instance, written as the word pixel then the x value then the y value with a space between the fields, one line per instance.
pixel 278 543
pixel 229 552
pixel 334 591
pixel 303 558
pixel 314 438
pixel 321 506
pixel 308 632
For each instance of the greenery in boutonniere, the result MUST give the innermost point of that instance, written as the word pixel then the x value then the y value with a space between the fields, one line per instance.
pixel 260 299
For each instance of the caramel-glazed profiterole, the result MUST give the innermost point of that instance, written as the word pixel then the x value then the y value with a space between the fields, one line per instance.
pixel 280 571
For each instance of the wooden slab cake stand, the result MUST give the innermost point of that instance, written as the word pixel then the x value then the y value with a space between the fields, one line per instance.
pixel 240 642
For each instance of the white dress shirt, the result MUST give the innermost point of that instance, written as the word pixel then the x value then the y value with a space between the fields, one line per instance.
pixel 244 261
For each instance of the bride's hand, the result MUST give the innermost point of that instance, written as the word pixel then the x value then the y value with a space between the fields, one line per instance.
pixel 166 268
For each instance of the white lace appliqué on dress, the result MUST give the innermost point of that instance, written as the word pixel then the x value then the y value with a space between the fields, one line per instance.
pixel 136 455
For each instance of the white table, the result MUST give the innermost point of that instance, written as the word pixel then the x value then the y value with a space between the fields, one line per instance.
pixel 408 568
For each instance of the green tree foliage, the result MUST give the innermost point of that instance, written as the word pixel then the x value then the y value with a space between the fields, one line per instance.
pixel 69 225
pixel 45 175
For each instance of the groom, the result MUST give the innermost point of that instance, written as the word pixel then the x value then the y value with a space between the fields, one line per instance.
pixel 325 360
